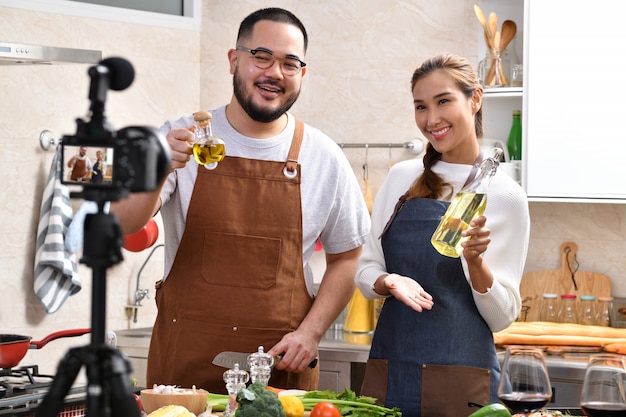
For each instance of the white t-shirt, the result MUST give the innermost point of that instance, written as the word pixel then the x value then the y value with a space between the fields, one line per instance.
pixel 333 207
pixel 507 217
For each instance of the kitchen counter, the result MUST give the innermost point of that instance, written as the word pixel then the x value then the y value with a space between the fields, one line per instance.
pixel 343 357
pixel 336 345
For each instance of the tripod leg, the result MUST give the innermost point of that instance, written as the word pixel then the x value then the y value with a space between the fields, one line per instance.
pixel 122 401
pixel 67 371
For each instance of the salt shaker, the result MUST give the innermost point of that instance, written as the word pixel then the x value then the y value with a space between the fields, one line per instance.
pixel 235 380
pixel 260 366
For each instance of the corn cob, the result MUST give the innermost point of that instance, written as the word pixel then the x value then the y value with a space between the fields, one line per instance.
pixel 172 411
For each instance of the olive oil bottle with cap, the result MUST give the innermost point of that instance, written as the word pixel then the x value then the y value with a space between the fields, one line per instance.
pixel 468 204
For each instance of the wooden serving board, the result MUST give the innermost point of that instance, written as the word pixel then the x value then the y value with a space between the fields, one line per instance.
pixel 561 281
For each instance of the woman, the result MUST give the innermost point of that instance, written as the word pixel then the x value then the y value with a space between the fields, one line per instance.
pixel 433 351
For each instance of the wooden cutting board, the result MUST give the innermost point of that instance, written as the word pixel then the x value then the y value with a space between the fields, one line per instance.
pixel 561 281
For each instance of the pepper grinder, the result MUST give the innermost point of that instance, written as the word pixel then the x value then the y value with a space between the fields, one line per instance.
pixel 260 366
pixel 235 380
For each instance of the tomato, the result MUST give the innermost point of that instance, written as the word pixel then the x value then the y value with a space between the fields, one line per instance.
pixel 138 400
pixel 325 410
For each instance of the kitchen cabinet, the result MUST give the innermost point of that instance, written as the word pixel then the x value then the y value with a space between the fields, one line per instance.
pixel 342 364
pixel 574 106
pixel 570 102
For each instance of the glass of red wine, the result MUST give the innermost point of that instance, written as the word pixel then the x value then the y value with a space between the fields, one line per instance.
pixel 603 387
pixel 524 384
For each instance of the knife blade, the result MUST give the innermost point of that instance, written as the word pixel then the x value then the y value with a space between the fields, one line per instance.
pixel 228 359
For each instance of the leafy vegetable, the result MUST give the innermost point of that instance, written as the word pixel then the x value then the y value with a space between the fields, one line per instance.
pixel 349 404
pixel 257 401
pixel 217 402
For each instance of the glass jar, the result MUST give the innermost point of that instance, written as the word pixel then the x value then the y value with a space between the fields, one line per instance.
pixel 549 308
pixel 587 310
pixel 517 75
pixel 502 68
pixel 567 310
pixel 603 316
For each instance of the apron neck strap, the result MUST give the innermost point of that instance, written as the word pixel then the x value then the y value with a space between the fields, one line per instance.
pixel 292 158
pixel 405 196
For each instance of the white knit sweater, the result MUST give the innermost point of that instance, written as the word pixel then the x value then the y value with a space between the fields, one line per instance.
pixel 507 217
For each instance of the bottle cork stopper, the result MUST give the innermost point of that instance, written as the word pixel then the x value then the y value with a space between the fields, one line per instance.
pixel 203 118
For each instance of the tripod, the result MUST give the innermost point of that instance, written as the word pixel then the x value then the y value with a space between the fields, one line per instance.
pixel 109 391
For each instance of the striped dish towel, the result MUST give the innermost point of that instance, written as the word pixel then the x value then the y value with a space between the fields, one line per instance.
pixel 56 272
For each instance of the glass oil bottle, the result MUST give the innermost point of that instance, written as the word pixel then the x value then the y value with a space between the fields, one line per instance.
pixel 208 149
pixel 468 204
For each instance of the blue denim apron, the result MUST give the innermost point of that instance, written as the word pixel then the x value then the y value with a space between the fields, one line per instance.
pixel 452 333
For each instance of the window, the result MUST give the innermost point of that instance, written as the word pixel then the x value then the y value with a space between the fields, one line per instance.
pixel 177 14
pixel 173 7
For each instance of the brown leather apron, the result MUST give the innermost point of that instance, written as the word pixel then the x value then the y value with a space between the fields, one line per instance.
pixel 79 170
pixel 237 281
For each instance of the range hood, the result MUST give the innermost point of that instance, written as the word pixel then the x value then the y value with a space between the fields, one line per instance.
pixel 23 54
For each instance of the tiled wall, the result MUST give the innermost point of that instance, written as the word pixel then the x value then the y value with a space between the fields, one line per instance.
pixel 360 59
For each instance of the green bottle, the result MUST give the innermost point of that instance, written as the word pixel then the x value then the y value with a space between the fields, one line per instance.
pixel 514 144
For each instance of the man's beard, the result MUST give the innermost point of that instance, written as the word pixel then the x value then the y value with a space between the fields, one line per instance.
pixel 254 112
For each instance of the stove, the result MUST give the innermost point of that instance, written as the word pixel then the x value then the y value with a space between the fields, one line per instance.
pixel 22 389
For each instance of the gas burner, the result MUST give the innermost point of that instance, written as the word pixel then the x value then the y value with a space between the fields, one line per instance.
pixel 22 380
pixel 23 388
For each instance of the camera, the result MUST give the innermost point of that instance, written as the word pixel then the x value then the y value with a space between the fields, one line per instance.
pixel 109 164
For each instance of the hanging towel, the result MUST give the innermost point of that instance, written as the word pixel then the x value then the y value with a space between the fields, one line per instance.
pixel 75 233
pixel 56 272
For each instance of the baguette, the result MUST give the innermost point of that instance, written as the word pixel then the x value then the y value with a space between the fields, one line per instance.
pixel 547 333
pixel 616 348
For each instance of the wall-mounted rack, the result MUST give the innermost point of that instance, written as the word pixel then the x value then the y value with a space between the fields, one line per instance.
pixel 415 145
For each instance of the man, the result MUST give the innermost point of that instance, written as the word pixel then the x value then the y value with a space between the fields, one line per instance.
pixel 239 238
pixel 80 165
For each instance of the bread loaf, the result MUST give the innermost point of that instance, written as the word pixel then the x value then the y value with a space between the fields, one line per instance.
pixel 564 334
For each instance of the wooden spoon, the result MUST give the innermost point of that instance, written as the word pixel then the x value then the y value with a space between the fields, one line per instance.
pixel 492 23
pixel 509 29
pixel 483 22
pixel 491 75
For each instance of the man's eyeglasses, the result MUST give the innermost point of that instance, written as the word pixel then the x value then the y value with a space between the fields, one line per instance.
pixel 264 59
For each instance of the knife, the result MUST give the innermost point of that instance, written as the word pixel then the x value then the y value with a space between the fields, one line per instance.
pixel 228 360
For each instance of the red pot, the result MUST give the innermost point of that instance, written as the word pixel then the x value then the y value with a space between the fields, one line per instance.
pixel 13 347
pixel 143 239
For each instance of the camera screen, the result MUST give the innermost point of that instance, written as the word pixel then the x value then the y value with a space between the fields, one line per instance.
pixel 88 165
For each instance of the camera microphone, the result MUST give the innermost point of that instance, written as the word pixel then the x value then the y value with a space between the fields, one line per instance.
pixel 121 73
pixel 114 73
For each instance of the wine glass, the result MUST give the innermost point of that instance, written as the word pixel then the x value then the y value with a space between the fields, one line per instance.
pixel 603 386
pixel 524 384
